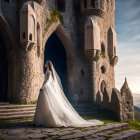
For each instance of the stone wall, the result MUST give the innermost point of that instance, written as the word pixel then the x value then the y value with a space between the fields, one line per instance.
pixel 121 103
pixel 84 76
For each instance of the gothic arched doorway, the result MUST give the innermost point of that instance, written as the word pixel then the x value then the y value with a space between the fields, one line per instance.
pixel 3 71
pixel 54 51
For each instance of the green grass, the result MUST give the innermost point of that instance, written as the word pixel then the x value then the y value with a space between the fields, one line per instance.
pixel 101 119
pixel 16 120
pixel 134 125
pixel 104 116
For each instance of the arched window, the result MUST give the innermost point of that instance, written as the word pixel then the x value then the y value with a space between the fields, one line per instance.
pixel 102 48
pixel 38 35
pixel 103 86
pixel 61 5
pixel 30 37
pixel 85 3
pixel 103 69
pixel 24 35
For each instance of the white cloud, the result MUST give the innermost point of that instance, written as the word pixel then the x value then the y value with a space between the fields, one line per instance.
pixel 128 36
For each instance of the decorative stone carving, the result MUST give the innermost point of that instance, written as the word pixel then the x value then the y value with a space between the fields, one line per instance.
pixel 28 24
pixel 113 60
pixel 28 46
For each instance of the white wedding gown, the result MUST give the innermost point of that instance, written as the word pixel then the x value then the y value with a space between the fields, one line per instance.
pixel 54 110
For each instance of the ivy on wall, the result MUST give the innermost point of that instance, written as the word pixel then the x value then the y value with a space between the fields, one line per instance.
pixel 54 17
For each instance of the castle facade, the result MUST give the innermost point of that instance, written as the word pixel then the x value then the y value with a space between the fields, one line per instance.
pixel 78 36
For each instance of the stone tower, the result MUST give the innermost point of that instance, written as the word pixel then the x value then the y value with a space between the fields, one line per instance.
pixel 85 32
pixel 100 44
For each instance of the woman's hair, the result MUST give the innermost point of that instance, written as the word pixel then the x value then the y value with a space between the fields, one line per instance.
pixel 49 65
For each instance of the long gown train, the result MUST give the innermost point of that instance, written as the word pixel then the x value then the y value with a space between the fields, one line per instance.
pixel 54 110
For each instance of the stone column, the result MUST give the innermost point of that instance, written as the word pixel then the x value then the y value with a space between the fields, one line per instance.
pixel 30 75
pixel 92 57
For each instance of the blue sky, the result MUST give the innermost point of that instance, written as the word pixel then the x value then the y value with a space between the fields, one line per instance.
pixel 127 21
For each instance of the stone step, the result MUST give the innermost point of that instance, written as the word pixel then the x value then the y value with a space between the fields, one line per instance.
pixel 16 106
pixel 87 113
pixel 83 105
pixel 17 113
pixel 26 111
pixel 4 103
pixel 86 109
pixel 16 117
pixel 17 110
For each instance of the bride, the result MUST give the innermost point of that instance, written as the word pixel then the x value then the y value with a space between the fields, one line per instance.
pixel 53 109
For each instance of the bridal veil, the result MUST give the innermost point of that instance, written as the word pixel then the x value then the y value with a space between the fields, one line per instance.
pixel 53 108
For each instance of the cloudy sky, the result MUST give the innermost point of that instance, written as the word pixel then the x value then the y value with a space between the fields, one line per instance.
pixel 128 37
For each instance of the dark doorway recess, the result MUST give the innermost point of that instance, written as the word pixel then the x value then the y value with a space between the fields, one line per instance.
pixel 3 71
pixel 54 51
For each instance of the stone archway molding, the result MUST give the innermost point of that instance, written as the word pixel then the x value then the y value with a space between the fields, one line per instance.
pixel 62 34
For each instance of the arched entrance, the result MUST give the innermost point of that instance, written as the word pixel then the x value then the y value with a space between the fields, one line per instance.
pixel 3 71
pixel 54 51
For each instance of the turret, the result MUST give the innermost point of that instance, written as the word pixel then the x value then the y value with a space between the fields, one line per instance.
pixel 92 39
pixel 112 43
pixel 28 25
pixel 93 7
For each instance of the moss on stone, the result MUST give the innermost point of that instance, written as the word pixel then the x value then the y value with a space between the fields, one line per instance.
pixel 134 125
pixel 103 54
pixel 54 17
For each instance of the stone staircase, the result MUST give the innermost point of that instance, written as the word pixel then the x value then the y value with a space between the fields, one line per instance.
pixel 26 129
pixel 8 111
pixel 86 109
